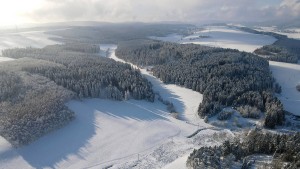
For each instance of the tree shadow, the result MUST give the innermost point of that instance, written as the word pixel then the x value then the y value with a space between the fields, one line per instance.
pixel 166 94
pixel 132 109
pixel 57 145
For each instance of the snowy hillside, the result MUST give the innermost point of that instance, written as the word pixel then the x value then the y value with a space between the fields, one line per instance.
pixel 288 76
pixel 3 59
pixel 25 39
pixel 138 127
pixel 224 37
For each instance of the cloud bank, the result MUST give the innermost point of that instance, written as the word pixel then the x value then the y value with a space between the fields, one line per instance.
pixel 164 10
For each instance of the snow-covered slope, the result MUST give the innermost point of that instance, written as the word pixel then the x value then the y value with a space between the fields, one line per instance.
pixel 178 164
pixel 104 133
pixel 3 59
pixel 224 37
pixel 288 76
pixel 25 39
pixel 186 101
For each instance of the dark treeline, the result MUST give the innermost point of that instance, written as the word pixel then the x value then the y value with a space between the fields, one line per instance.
pixel 35 87
pixel 283 50
pixel 285 150
pixel 250 30
pixel 277 53
pixel 225 77
pixel 291 45
pixel 113 33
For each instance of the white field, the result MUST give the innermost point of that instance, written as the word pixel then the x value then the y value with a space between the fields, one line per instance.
pixel 288 76
pixel 224 37
pixel 170 38
pixel 108 133
pixel 4 59
pixel 178 163
pixel 24 39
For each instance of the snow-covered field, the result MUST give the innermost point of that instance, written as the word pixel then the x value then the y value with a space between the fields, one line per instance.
pixel 104 133
pixel 224 37
pixel 178 163
pixel 25 39
pixel 3 59
pixel 288 76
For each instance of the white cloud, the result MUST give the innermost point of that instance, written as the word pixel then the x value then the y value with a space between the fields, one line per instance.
pixel 162 10
pixel 289 8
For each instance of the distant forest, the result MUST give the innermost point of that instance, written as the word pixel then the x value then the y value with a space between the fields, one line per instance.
pixel 114 33
pixel 35 87
pixel 283 50
pixel 225 77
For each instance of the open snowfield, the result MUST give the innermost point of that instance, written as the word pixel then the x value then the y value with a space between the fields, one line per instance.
pixel 3 59
pixel 178 164
pixel 104 133
pixel 224 37
pixel 25 39
pixel 288 76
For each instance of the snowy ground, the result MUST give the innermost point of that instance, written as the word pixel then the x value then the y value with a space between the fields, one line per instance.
pixel 25 39
pixel 3 59
pixel 288 76
pixel 106 133
pixel 224 37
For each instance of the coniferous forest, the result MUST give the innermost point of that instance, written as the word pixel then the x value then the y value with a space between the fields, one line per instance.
pixel 36 86
pixel 285 150
pixel 225 77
